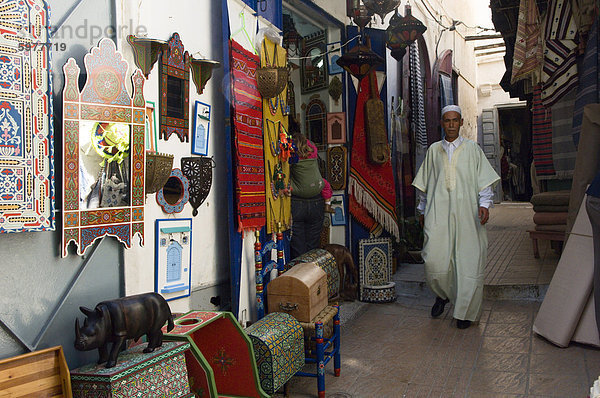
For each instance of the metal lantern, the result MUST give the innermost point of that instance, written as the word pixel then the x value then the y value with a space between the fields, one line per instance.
pixel 359 61
pixel 158 169
pixel 381 7
pixel 403 30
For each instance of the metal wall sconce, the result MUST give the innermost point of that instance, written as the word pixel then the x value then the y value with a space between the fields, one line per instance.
pixel 145 52
pixel 158 170
pixel 202 72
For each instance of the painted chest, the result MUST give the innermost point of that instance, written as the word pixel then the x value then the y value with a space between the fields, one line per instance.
pixel 278 343
pixel 301 292
pixel 161 373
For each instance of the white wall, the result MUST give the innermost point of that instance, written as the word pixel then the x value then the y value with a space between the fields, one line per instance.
pixel 199 27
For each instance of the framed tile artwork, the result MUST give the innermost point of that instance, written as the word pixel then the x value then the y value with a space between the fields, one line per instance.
pixel 27 139
pixel 334 52
pixel 173 258
pixel 104 132
pixel 336 128
pixel 338 217
pixel 201 129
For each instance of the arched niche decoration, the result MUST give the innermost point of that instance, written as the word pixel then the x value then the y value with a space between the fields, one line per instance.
pixel 175 194
pixel 174 90
pixel 316 122
pixel 443 64
pixel 103 131
pixel 27 140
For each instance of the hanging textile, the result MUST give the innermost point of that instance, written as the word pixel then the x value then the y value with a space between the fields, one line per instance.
pixel 275 128
pixel 542 137
pixel 588 90
pixel 372 185
pixel 247 116
pixel 417 96
pixel 528 44
pixel 559 72
pixel 563 148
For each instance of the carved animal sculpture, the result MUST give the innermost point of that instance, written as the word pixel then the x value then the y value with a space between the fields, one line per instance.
pixel 347 270
pixel 114 321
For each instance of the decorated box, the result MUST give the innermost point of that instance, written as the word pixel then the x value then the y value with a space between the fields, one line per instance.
pixel 161 373
pixel 221 361
pixel 278 343
pixel 326 262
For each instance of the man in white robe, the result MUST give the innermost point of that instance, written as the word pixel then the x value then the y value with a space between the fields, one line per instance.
pixel 455 181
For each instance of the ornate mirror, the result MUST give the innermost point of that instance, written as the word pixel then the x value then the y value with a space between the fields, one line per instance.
pixel 26 142
pixel 175 194
pixel 313 72
pixel 174 90
pixel 316 121
pixel 103 151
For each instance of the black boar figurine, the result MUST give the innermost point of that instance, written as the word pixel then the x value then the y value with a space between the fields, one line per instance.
pixel 114 321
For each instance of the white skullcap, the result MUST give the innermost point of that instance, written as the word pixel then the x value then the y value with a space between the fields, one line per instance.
pixel 451 108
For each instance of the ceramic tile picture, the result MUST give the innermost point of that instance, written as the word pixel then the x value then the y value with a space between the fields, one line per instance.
pixel 27 139
pixel 173 257
pixel 336 128
pixel 334 52
pixel 338 217
pixel 201 129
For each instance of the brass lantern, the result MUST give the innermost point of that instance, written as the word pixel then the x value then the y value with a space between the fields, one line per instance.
pixel 403 30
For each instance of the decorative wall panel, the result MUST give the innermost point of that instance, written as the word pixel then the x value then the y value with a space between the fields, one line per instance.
pixel 26 131
pixel 103 151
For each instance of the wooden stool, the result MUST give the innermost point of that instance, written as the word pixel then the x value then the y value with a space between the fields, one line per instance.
pixel 549 235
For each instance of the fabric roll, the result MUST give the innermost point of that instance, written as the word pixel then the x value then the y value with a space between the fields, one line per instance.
pixel 570 288
pixel 552 198
pixel 550 218
pixel 588 161
pixel 551 227
pixel 550 209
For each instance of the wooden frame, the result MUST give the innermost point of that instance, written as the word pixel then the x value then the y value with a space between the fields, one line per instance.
pixel 336 128
pixel 26 115
pixel 201 128
pixel 173 257
pixel 316 119
pixel 151 136
pixel 104 100
pixel 313 65
pixel 174 90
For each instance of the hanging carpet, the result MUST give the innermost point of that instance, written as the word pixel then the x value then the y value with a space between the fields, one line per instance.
pixel 247 127
pixel 542 137
pixel 372 185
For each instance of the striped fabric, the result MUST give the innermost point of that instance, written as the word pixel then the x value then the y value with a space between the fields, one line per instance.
pixel 417 104
pixel 528 43
pixel 248 123
pixel 542 137
pixel 563 148
pixel 588 90
pixel 559 73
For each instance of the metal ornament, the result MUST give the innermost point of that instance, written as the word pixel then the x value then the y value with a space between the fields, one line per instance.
pixel 158 170
pixel 198 171
pixel 335 88
pixel 381 7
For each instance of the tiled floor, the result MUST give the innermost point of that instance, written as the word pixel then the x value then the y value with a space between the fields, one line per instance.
pixel 398 350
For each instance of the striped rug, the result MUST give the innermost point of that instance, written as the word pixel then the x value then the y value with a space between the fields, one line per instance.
pixel 247 123
pixel 542 137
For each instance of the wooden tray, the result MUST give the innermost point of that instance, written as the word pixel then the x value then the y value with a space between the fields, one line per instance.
pixel 41 373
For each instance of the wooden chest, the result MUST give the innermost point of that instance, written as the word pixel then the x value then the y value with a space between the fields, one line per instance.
pixel 300 291
pixel 161 373
pixel 41 373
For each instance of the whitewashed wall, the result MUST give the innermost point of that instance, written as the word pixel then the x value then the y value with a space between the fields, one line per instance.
pixel 199 26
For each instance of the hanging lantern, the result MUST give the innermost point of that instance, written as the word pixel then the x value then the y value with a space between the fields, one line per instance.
pixel 403 30
pixel 381 7
pixel 359 61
